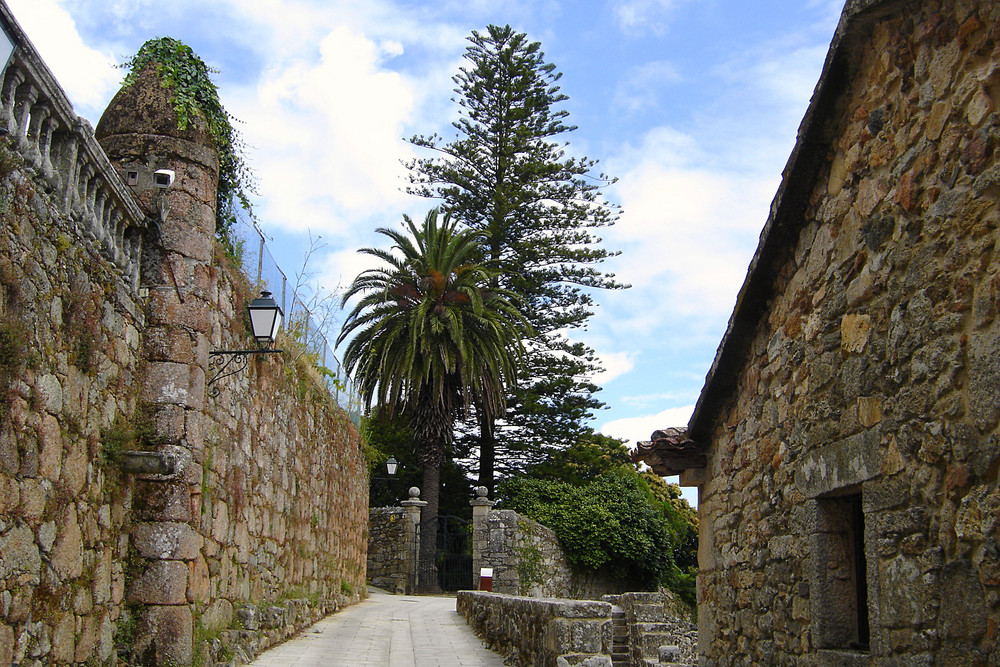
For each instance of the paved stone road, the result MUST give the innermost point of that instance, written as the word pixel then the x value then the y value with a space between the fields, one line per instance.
pixel 386 631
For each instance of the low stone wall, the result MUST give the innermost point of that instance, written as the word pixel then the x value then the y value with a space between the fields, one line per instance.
pixel 540 631
pixel 527 559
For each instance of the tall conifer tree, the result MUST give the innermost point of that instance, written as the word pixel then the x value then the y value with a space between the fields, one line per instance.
pixel 507 175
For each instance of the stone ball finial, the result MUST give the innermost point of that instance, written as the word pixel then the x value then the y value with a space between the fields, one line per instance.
pixel 482 492
pixel 414 493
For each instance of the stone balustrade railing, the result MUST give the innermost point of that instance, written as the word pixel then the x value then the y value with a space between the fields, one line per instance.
pixel 42 127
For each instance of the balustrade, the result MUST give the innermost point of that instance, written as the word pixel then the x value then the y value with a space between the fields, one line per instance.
pixel 59 146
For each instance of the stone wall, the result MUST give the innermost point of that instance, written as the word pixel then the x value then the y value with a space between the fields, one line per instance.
pixel 70 355
pixel 527 559
pixel 139 510
pixel 854 468
pixel 543 632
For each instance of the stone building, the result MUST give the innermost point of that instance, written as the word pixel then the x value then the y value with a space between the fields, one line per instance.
pixel 845 444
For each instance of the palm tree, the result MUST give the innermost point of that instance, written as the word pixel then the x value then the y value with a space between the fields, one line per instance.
pixel 432 338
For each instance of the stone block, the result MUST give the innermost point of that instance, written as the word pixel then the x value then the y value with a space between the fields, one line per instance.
pixel 74 467
pixel 199 580
pixel 166 541
pixel 48 391
pixel 165 635
pixel 869 411
pixel 174 384
pixel 50 444
pixel 563 635
pixel 88 638
pixel 162 582
pixel 162 501
pixel 854 332
pixel 584 660
pixel 66 557
pixel 18 553
pixel 63 639
pixel 583 609
pixel 6 644
pixel 169 343
pixel 166 310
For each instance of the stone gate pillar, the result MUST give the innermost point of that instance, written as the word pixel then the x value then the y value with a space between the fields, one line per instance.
pixel 481 506
pixel 411 543
pixel 174 174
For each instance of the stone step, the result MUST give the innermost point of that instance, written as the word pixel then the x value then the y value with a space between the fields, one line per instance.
pixel 648 613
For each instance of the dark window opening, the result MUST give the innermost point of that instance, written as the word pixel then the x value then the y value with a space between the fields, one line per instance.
pixel 860 571
pixel 840 574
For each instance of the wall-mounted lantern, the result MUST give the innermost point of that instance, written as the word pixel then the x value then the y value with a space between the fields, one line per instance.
pixel 265 320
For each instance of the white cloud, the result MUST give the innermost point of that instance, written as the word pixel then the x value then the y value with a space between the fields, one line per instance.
pixel 326 134
pixel 636 429
pixel 88 76
pixel 644 15
pixel 687 232
pixel 615 365
pixel 641 88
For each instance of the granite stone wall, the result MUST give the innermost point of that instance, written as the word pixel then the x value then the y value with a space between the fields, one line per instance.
pixel 70 354
pixel 141 512
pixel 853 472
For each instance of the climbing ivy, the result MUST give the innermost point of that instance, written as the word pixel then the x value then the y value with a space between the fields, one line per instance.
pixel 193 95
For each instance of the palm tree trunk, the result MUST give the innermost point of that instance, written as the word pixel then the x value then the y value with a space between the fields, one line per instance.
pixel 487 452
pixel 427 566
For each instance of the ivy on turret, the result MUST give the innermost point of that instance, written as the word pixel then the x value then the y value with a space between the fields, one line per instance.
pixel 194 94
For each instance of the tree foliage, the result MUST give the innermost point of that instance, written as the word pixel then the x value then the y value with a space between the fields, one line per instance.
pixel 606 524
pixel 506 174
pixel 610 516
pixel 195 95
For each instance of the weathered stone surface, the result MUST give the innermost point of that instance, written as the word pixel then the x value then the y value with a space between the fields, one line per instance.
pixel 70 253
pixel 6 645
pixel 533 631
pixel 871 364
pixel 174 384
pixel 162 501
pixel 18 553
pixel 166 541
pixel 67 553
pixel 160 582
pixel 165 635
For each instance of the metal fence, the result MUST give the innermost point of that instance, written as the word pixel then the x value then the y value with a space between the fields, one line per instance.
pixel 310 330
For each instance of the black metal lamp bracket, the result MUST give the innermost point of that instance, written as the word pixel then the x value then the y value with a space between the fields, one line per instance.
pixel 224 363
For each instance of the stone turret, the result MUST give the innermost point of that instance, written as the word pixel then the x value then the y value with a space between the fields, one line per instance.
pixel 174 174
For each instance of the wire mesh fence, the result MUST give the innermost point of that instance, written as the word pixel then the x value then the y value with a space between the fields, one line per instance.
pixel 305 326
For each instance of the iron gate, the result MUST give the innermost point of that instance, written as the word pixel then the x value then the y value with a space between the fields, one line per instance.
pixel 452 566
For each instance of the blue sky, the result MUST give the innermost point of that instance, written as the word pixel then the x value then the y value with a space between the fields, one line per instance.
pixel 693 105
